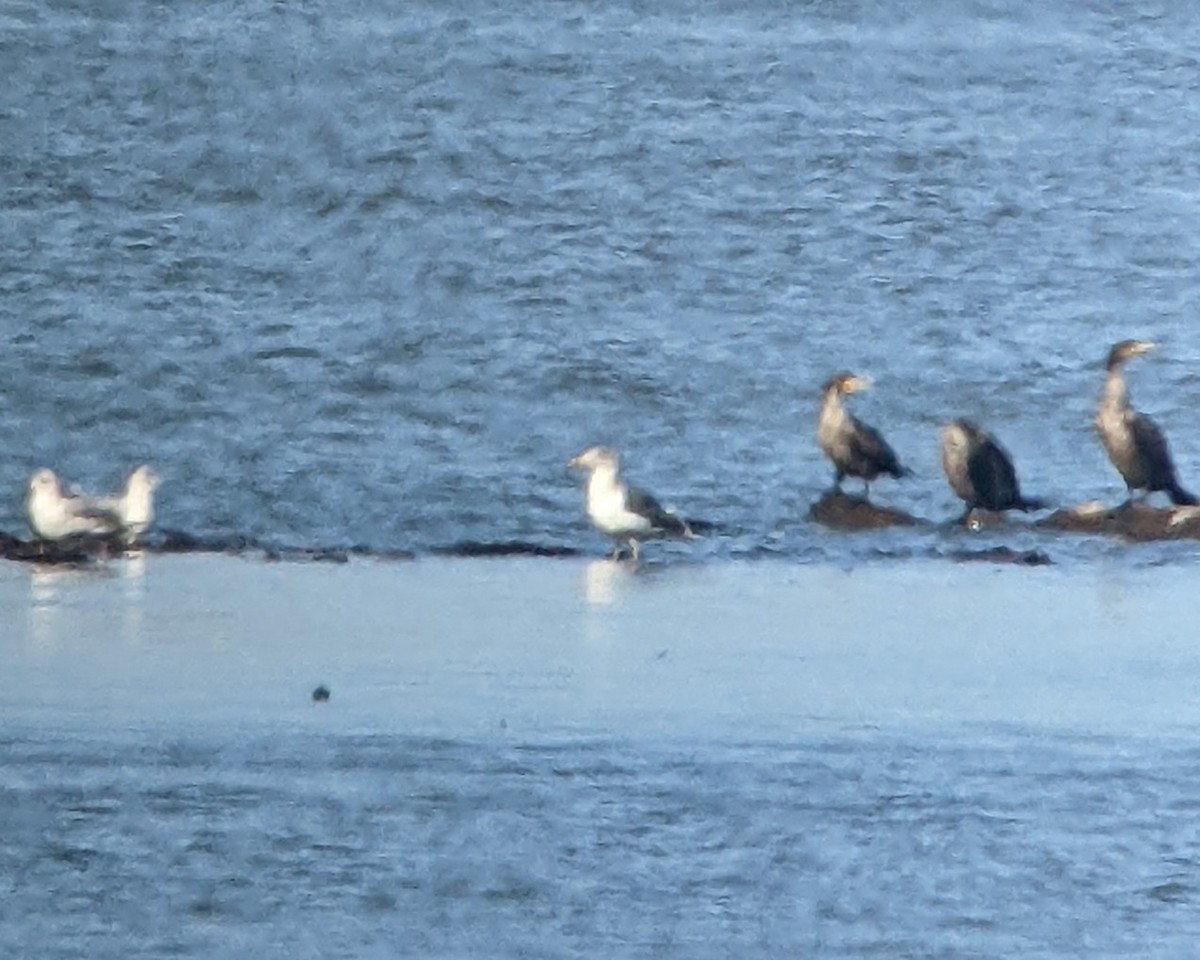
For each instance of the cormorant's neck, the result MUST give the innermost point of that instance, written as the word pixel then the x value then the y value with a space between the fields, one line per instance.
pixel 831 406
pixel 1116 394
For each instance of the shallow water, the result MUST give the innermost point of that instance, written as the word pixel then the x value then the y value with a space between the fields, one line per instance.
pixel 351 274
pixel 561 759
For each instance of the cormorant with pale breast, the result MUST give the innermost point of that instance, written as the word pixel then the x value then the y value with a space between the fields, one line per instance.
pixel 980 471
pixel 623 512
pixel 1135 444
pixel 856 449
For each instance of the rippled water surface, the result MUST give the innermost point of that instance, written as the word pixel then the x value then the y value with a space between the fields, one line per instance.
pixel 363 274
pixel 369 274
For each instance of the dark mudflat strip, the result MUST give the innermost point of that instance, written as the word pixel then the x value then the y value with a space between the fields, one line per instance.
pixel 504 548
pixel 835 510
pixel 79 551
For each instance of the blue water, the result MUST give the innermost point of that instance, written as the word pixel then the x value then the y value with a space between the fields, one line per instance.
pixel 398 846
pixel 568 759
pixel 363 274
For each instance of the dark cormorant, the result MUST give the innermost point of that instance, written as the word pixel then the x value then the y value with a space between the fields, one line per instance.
pixel 980 471
pixel 1135 444
pixel 623 512
pixel 856 449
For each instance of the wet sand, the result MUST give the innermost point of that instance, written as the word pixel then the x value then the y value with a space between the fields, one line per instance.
pixel 534 648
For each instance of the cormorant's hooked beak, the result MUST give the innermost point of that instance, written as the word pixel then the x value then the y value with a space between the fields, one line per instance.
pixel 858 384
pixel 1142 346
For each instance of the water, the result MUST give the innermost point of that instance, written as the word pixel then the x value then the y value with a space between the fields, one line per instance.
pixel 395 846
pixel 362 274
pixel 558 759
pixel 353 274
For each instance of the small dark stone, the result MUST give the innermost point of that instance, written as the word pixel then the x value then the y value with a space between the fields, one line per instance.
pixel 1020 558
pixel 321 694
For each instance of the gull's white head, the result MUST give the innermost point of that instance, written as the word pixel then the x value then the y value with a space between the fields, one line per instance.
pixel 135 505
pixel 597 458
pixel 45 483
pixel 142 480
pixel 55 514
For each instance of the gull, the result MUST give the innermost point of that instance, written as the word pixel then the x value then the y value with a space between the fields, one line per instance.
pixel 56 514
pixel 134 505
pixel 623 512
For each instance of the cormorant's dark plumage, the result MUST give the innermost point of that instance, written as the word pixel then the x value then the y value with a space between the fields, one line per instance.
pixel 1135 444
pixel 856 449
pixel 980 471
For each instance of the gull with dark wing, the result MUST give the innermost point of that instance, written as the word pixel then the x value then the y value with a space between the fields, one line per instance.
pixel 1135 444
pixel 626 513
pixel 856 449
pixel 56 514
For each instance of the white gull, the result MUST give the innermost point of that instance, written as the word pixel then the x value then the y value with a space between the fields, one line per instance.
pixel 623 512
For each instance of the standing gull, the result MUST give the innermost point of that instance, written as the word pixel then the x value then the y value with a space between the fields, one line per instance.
pixel 1135 444
pixel 55 514
pixel 623 512
pixel 134 505
pixel 980 471
pixel 856 449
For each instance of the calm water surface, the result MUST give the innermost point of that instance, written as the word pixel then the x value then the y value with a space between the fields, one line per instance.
pixel 369 274
pixel 558 759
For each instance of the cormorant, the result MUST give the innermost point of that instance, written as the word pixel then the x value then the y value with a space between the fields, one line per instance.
pixel 1135 444
pixel 980 471
pixel 55 514
pixel 623 512
pixel 855 448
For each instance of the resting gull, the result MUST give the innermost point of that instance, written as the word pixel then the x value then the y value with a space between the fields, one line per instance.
pixel 134 505
pixel 623 512
pixel 56 514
